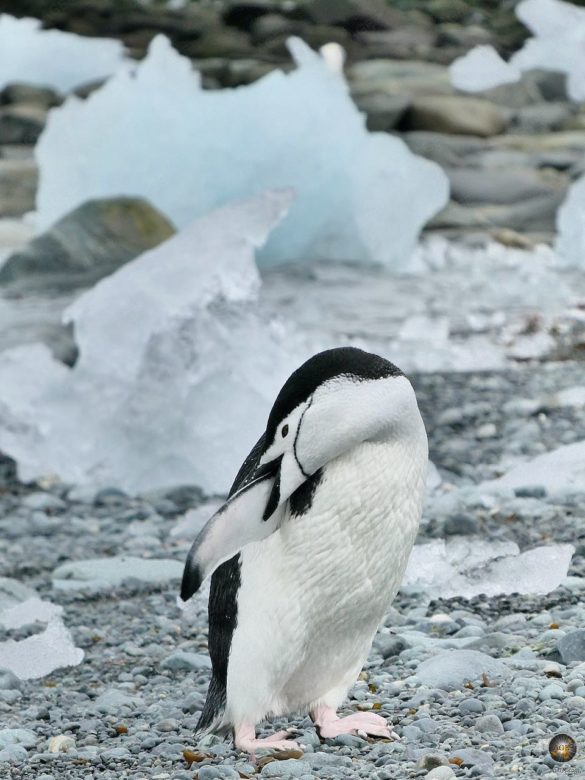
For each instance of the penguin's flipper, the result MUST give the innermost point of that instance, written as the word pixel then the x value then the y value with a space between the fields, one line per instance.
pixel 237 523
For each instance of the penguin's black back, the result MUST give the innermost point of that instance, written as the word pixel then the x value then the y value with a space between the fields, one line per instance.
pixel 223 613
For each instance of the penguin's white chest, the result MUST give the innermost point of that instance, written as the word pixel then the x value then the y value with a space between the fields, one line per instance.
pixel 313 593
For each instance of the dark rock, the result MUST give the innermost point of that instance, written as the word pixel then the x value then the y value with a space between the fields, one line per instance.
pixel 455 114
pixel 408 42
pixel 243 71
pixel 449 151
pixel 185 496
pixel 29 94
pixel 448 10
pixel 572 646
pixel 21 124
pixel 533 215
pixel 223 42
pixel 383 112
pixel 18 186
pixel 269 26
pixel 244 14
pixel 551 84
pixel 463 36
pixel 542 118
pixel 530 491
pixel 110 497
pixel 355 15
pixel 461 524
pixel 503 186
pixel 87 244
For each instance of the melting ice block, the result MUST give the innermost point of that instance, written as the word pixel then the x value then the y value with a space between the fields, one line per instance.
pixel 53 58
pixel 360 195
pixel 177 370
pixel 467 567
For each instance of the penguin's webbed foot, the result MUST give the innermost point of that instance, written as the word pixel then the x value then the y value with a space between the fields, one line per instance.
pixel 245 739
pixel 329 724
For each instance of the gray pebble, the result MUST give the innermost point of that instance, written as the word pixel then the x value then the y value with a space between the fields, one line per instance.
pixel 289 768
pixel 489 724
pixel 187 662
pixel 468 706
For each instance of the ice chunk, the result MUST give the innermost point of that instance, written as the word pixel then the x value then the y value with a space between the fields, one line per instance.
pixel 178 366
pixel 559 470
pixel 559 30
pixel 39 655
pixel 53 58
pixel 482 68
pixel 467 567
pixel 360 195
pixel 558 45
pixel 33 610
pixel 104 574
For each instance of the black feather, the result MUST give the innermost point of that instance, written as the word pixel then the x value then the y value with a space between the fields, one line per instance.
pixel 223 612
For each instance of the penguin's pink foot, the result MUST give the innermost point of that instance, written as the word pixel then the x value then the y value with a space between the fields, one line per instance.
pixel 330 724
pixel 245 739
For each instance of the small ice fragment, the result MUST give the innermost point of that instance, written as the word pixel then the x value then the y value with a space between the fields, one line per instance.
pixel 39 655
pixel 480 69
pixel 52 58
pixel 562 469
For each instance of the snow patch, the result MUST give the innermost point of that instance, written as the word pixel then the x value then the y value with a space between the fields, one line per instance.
pixel 52 58
pixel 154 132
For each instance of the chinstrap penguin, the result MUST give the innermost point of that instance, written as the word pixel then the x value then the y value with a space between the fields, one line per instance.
pixel 309 549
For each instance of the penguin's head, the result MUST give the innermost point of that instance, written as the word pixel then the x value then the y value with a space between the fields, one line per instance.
pixel 332 403
pixel 336 400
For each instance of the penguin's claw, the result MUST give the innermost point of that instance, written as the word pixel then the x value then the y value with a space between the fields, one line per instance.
pixel 361 723
pixel 245 740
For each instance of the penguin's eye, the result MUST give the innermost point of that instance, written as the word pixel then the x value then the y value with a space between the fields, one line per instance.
pixel 284 431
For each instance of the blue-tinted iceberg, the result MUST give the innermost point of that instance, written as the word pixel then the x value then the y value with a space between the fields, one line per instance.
pixel 53 58
pixel 177 370
pixel 154 132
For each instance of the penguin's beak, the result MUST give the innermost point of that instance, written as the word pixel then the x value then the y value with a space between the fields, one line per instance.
pixel 270 470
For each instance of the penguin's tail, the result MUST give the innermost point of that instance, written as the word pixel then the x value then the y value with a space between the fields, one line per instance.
pixel 211 720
